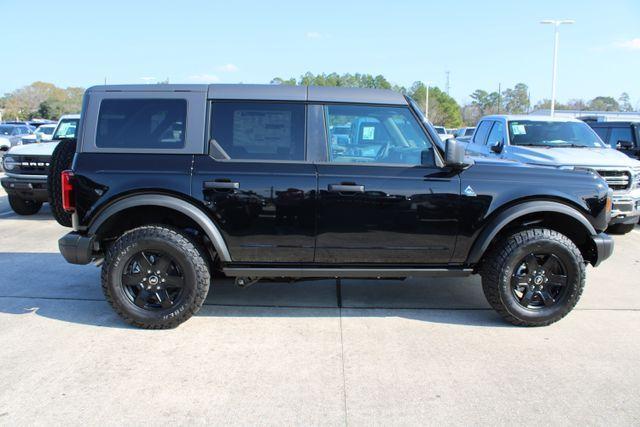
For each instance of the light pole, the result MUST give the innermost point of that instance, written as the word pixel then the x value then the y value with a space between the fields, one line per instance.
pixel 426 103
pixel 556 24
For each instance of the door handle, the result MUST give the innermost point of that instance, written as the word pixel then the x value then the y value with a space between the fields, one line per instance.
pixel 221 185
pixel 346 188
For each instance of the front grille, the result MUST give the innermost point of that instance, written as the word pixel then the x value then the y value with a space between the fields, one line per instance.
pixel 617 179
pixel 31 165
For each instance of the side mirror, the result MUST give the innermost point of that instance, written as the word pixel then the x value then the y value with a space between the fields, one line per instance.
pixel 454 152
pixel 38 137
pixel 624 145
pixel 497 147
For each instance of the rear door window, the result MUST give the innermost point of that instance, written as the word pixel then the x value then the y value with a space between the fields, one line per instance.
pixel 258 131
pixel 142 123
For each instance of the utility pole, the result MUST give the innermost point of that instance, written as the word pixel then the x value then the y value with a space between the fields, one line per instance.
pixel 556 34
pixel 499 96
pixel 447 86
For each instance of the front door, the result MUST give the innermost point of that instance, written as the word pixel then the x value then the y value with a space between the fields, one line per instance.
pixel 256 181
pixel 377 201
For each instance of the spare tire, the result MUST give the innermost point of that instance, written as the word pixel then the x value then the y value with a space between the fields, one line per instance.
pixel 60 160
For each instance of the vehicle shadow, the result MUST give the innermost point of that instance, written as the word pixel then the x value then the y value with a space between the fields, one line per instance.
pixel 43 284
pixel 7 214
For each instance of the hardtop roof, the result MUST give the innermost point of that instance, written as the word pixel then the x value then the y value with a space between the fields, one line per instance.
pixel 269 92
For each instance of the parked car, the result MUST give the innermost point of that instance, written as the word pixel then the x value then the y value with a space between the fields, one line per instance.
pixel 563 143
pixel 464 134
pixel 27 167
pixel 172 182
pixel 623 136
pixel 442 133
pixel 11 134
pixel 42 133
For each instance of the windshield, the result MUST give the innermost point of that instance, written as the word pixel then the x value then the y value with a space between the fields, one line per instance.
pixel 440 130
pixel 66 129
pixel 469 131
pixel 47 130
pixel 553 134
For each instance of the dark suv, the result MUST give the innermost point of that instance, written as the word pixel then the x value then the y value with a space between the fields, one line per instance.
pixel 170 183
pixel 623 136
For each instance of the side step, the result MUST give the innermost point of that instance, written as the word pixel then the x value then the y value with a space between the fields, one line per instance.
pixel 335 273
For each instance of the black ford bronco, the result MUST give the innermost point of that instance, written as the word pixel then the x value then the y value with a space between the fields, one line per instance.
pixel 170 184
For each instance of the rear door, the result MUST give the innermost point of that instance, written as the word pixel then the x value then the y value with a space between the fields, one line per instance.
pixel 256 180
pixel 377 202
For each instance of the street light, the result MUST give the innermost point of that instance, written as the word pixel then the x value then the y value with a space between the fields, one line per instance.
pixel 426 103
pixel 556 24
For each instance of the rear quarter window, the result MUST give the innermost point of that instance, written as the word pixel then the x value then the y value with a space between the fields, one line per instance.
pixel 142 123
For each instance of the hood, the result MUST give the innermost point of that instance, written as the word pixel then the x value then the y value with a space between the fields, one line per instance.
pixel 572 156
pixel 42 149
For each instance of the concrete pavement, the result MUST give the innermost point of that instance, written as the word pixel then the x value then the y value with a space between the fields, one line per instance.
pixel 415 352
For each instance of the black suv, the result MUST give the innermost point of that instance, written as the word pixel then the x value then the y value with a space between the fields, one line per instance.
pixel 171 183
pixel 623 136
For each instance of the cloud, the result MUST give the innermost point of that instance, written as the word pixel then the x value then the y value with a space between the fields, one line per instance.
pixel 204 78
pixel 633 44
pixel 314 35
pixel 227 68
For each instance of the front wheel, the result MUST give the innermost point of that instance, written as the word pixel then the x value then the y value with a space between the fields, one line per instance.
pixel 23 206
pixel 534 277
pixel 155 277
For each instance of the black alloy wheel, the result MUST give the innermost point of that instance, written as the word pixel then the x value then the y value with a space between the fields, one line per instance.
pixel 153 280
pixel 540 280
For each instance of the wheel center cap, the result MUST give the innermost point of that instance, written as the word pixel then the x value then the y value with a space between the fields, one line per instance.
pixel 538 279
pixel 153 280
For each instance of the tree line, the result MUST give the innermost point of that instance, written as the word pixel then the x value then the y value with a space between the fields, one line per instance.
pixel 47 101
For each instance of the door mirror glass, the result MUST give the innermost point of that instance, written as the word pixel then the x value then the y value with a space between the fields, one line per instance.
pixel 454 153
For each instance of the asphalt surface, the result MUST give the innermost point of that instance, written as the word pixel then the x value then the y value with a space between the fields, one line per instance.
pixel 380 352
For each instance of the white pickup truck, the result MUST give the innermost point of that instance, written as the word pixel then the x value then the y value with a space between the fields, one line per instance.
pixel 27 166
pixel 563 143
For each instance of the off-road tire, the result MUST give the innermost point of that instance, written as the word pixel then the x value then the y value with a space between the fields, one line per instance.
pixel 60 160
pixel 23 206
pixel 192 260
pixel 620 228
pixel 497 270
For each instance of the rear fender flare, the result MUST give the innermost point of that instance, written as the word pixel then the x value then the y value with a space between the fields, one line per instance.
pixel 182 206
pixel 505 217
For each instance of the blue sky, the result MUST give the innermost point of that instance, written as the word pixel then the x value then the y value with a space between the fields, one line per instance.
pixel 482 44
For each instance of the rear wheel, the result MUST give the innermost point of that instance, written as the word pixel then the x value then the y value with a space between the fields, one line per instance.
pixel 620 228
pixel 534 277
pixel 24 206
pixel 155 277
pixel 61 160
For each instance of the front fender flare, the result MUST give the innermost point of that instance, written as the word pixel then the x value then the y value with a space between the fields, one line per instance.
pixel 166 201
pixel 501 220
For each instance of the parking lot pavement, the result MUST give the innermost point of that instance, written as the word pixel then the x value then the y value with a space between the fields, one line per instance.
pixel 413 352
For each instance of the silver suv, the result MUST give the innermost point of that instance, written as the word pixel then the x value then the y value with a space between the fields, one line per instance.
pixel 565 144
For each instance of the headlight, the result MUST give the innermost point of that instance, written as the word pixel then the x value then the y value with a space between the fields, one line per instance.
pixel 9 163
pixel 635 176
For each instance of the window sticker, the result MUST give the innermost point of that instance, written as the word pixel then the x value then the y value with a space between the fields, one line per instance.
pixel 368 133
pixel 518 129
